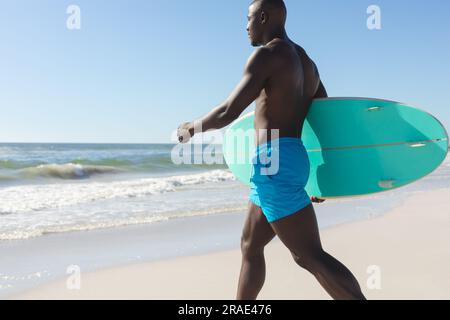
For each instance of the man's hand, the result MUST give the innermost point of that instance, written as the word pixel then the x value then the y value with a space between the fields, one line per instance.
pixel 317 200
pixel 185 132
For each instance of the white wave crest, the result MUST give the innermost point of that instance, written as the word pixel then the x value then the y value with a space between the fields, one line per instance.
pixel 66 171
pixel 21 199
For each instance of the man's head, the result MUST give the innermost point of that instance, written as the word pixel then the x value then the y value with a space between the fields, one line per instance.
pixel 265 16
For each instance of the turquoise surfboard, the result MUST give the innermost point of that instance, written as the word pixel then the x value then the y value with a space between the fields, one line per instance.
pixel 356 146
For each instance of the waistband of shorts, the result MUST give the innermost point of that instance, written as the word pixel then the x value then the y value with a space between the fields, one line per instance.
pixel 279 141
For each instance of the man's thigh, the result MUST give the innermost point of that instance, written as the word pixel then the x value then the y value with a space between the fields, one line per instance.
pixel 299 232
pixel 257 232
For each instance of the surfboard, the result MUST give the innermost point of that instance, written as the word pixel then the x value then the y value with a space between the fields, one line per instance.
pixel 356 146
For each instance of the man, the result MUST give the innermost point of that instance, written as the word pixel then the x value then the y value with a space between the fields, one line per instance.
pixel 283 80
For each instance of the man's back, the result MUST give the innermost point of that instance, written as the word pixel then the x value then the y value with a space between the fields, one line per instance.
pixel 292 84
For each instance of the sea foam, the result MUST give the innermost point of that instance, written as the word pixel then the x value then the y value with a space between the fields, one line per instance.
pixel 26 198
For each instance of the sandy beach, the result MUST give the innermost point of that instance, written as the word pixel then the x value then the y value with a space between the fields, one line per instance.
pixel 404 254
pixel 129 155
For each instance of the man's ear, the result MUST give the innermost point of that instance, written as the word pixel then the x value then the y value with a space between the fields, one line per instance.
pixel 264 17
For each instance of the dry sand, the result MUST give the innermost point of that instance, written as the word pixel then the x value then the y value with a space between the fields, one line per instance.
pixel 409 247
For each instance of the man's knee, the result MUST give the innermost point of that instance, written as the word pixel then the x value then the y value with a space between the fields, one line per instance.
pixel 309 261
pixel 250 249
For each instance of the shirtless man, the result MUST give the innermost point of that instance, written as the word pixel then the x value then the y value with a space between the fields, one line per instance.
pixel 283 80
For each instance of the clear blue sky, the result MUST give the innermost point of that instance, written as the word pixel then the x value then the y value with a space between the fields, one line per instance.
pixel 138 68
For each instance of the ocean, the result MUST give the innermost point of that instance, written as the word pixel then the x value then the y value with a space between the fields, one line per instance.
pixel 52 188
pixel 56 188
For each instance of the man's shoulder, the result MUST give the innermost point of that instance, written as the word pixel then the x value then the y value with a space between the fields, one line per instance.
pixel 277 53
pixel 268 53
pixel 261 53
pixel 284 49
pixel 283 44
pixel 260 57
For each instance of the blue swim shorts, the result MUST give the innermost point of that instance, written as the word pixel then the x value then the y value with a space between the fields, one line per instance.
pixel 280 171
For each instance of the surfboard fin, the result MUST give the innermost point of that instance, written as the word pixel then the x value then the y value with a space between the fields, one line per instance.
pixel 386 184
pixel 376 108
pixel 417 145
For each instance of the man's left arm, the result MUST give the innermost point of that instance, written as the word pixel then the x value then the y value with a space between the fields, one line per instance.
pixel 252 83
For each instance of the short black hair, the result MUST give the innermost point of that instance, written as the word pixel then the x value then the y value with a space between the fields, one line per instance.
pixel 270 4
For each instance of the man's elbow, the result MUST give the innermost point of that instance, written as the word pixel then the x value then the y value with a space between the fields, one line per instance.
pixel 225 119
pixel 230 114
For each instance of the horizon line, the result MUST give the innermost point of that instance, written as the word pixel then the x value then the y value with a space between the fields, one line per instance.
pixel 129 143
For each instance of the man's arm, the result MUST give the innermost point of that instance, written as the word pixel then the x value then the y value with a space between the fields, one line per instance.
pixel 252 83
pixel 320 93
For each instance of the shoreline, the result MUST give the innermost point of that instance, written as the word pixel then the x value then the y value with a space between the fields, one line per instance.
pixel 31 263
pixel 410 266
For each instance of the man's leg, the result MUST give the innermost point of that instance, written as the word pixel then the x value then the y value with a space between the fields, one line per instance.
pixel 256 235
pixel 300 234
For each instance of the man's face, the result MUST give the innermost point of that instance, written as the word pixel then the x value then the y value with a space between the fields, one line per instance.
pixel 254 26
